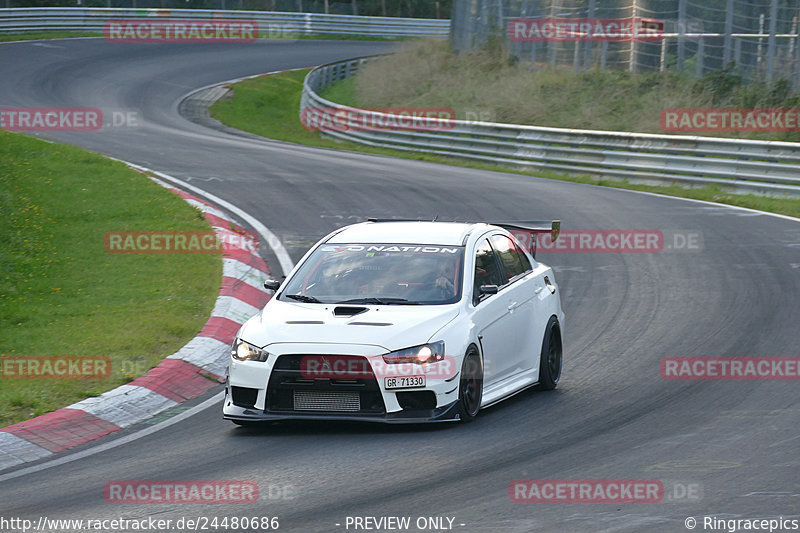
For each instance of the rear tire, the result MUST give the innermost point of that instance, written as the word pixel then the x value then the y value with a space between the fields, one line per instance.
pixel 550 359
pixel 470 386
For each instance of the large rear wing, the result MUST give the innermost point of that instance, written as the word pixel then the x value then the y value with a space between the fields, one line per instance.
pixel 527 233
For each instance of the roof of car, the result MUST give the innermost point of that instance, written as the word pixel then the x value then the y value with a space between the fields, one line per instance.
pixel 406 232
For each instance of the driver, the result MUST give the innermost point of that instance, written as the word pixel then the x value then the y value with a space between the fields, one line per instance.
pixel 445 278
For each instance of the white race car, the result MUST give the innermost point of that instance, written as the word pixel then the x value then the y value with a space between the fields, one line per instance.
pixel 401 321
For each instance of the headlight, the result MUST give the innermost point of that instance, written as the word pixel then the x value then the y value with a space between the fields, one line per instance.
pixel 247 352
pixel 427 353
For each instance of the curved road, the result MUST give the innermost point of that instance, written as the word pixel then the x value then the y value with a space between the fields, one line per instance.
pixel 732 445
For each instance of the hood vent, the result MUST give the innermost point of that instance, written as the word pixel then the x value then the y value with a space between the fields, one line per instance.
pixel 305 322
pixel 348 310
pixel 370 323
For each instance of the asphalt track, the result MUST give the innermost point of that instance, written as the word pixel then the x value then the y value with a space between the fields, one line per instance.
pixel 734 444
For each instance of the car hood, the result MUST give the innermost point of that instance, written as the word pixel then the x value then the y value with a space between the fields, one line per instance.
pixel 390 326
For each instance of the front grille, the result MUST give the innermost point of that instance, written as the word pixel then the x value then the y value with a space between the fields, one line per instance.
pixel 327 401
pixel 293 389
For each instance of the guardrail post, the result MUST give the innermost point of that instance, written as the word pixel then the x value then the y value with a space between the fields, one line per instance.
pixel 737 51
pixel 760 49
pixel 796 56
pixel 773 22
pixel 483 25
pixel 632 57
pixel 587 46
pixel 726 47
pixel 552 50
pixel 681 34
pixel 603 54
pixel 700 53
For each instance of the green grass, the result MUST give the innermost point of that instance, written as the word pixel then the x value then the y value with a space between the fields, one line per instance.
pixel 428 74
pixel 63 294
pixel 268 106
pixel 31 36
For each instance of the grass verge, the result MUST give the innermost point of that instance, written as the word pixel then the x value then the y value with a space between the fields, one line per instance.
pixel 33 36
pixel 63 294
pixel 268 106
pixel 487 83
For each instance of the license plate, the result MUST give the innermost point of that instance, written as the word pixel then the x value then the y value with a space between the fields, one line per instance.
pixel 408 382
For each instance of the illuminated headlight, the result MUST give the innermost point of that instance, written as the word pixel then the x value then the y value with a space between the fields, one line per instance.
pixel 247 352
pixel 427 353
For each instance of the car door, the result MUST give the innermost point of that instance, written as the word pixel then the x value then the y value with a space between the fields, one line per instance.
pixel 520 293
pixel 492 317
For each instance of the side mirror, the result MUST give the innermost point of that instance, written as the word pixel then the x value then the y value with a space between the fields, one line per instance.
pixel 489 289
pixel 483 290
pixel 272 285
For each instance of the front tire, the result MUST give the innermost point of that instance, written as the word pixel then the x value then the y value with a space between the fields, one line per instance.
pixel 470 386
pixel 550 359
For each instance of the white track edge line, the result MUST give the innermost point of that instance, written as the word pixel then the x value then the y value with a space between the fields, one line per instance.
pixel 707 202
pixel 270 238
pixel 114 443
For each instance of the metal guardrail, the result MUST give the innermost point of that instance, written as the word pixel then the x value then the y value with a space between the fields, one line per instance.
pixel 747 166
pixel 271 23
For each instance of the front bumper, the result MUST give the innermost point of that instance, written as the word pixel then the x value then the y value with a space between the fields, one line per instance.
pixel 279 389
pixel 447 413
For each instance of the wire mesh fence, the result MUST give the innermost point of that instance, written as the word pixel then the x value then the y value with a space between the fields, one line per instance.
pixel 756 39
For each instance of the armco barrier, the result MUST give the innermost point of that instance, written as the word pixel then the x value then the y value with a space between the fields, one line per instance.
pixel 17 20
pixel 747 166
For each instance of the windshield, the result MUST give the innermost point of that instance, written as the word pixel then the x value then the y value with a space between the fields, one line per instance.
pixel 392 274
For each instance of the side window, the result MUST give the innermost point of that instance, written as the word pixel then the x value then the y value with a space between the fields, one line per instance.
pixel 526 263
pixel 513 263
pixel 486 269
